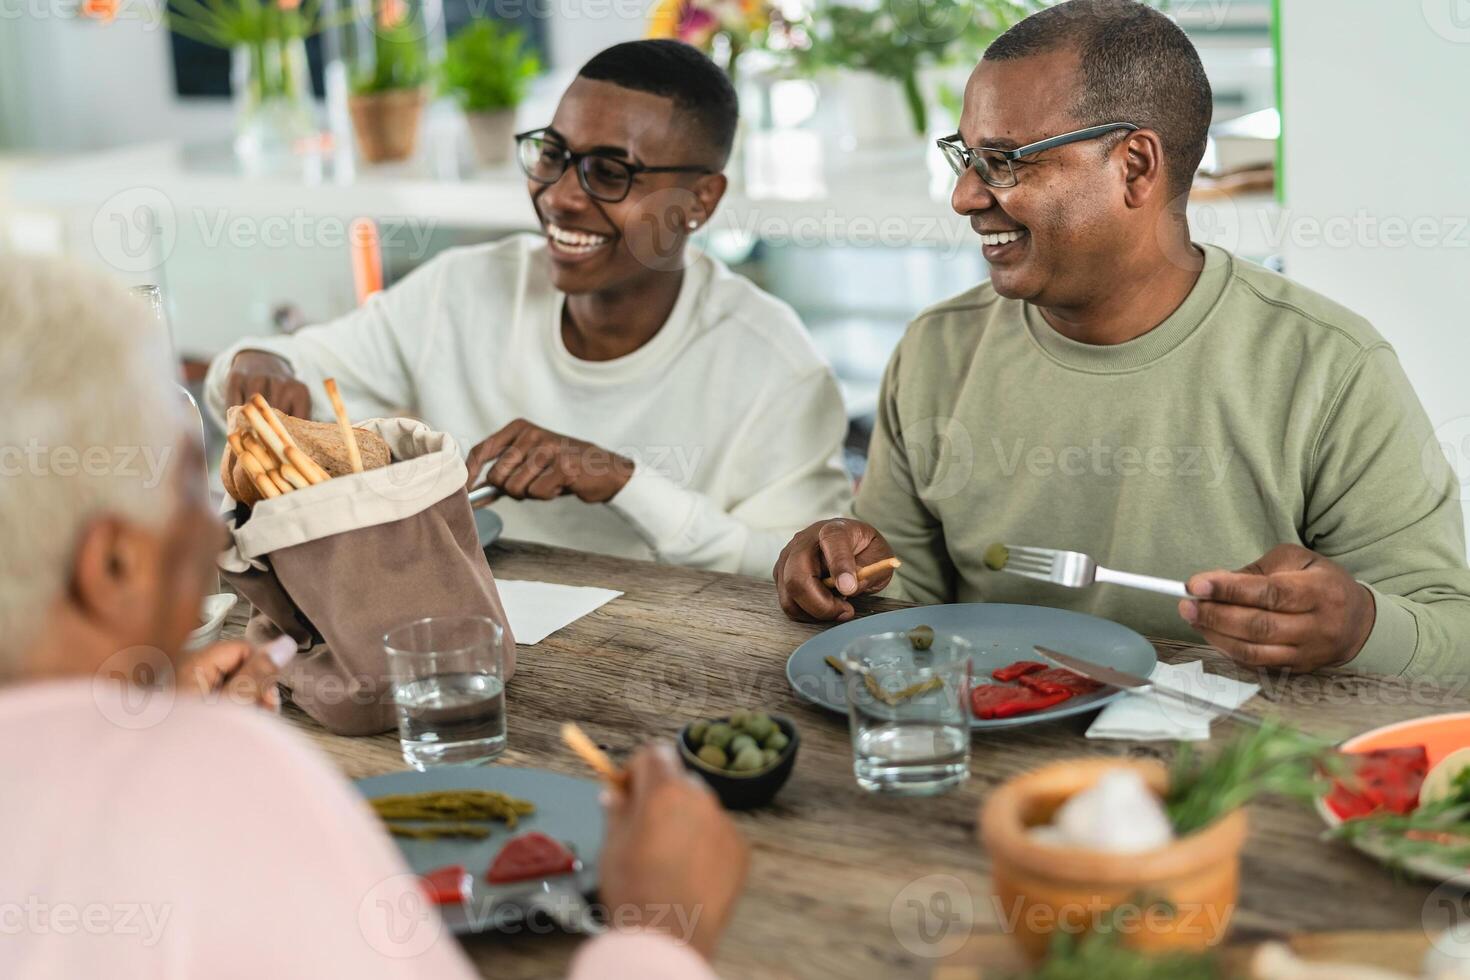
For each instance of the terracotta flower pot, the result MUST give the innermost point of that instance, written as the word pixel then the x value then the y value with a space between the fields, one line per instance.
pixel 387 123
pixel 1180 896
pixel 492 134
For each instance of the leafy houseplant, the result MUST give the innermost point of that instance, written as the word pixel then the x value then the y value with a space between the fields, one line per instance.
pixel 898 40
pixel 487 70
pixel 388 95
pixel 266 39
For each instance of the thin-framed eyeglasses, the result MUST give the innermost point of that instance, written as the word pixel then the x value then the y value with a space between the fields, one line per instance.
pixel 603 176
pixel 994 165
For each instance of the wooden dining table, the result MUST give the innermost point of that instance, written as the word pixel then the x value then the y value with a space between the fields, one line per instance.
pixel 844 883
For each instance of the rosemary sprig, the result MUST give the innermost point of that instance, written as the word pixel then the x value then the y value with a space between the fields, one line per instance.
pixel 1101 955
pixel 1273 759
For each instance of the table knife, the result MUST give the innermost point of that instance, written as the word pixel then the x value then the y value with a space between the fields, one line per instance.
pixel 1123 680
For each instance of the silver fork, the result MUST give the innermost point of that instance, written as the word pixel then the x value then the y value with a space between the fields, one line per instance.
pixel 1076 571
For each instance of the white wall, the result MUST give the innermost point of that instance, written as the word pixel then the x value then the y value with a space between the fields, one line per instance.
pixel 81 84
pixel 581 28
pixel 1377 146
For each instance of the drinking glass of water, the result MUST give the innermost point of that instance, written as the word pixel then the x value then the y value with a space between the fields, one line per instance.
pixel 449 685
pixel 910 713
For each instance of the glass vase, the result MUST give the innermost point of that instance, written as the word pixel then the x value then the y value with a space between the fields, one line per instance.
pixel 274 118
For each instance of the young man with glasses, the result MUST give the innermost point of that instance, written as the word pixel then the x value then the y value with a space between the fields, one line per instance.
pixel 595 363
pixel 1117 390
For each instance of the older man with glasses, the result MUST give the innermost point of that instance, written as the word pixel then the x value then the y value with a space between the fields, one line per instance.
pixel 1117 390
pixel 626 397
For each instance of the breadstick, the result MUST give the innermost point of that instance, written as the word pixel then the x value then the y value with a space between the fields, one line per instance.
pixel 253 469
pixel 866 572
pixel 293 476
pixel 281 482
pixel 265 433
pixel 306 466
pixel 354 457
pixel 592 755
pixel 253 447
pixel 269 414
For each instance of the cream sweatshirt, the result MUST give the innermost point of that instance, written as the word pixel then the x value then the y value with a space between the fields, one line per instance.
pixel 732 418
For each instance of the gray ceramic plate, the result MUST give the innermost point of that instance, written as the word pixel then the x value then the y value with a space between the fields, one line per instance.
pixel 1000 634
pixel 566 809
pixel 489 524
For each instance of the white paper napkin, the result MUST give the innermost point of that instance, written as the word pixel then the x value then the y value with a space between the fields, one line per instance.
pixel 538 609
pixel 1148 716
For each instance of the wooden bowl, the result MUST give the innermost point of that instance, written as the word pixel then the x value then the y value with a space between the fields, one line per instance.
pixel 1177 897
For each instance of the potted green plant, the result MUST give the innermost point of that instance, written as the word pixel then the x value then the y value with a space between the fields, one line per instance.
pixel 487 69
pixel 875 47
pixel 388 95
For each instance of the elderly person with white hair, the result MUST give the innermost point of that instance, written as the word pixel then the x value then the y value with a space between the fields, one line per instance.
pixel 145 832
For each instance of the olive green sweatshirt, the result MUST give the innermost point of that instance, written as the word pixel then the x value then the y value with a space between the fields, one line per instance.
pixel 1258 413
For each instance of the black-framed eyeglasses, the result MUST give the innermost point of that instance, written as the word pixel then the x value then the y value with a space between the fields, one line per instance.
pixel 994 165
pixel 602 176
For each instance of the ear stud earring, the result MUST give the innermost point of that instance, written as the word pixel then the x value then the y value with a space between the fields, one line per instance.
pixel 693 224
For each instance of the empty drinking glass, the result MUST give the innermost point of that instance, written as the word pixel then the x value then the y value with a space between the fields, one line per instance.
pixel 449 685
pixel 910 713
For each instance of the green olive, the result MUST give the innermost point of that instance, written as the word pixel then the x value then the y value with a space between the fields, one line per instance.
pixel 739 743
pixel 776 741
pixel 713 756
pixel 760 725
pixel 739 718
pixel 769 756
pixel 921 637
pixel 996 557
pixel 697 730
pixel 748 760
pixel 719 735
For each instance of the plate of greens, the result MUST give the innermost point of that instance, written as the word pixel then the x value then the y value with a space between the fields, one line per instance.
pixel 1007 673
pixel 1402 795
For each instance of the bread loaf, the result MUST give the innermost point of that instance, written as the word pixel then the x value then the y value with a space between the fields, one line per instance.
pixel 323 442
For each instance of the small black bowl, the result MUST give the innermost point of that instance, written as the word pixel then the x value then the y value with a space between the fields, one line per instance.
pixel 742 791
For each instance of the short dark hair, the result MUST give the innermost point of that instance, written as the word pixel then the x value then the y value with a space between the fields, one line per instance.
pixel 680 72
pixel 1137 67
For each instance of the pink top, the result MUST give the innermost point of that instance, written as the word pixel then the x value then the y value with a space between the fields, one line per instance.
pixel 143 836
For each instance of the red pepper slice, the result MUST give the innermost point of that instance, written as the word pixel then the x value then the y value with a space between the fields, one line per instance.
pixel 449 885
pixel 1381 780
pixel 532 855
pixel 1017 669
pixel 1003 701
pixel 1059 680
